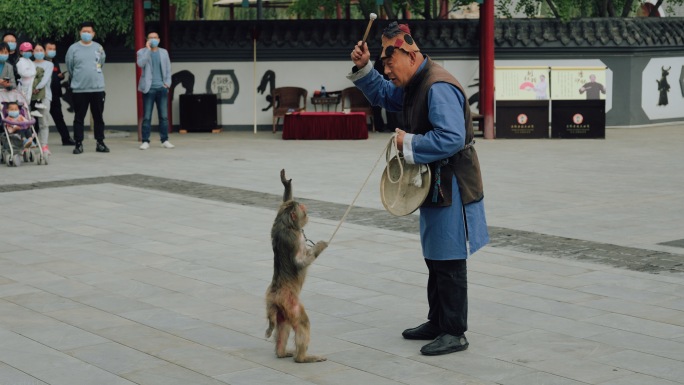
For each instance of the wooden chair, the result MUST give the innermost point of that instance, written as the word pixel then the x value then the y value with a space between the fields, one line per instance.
pixel 286 99
pixel 355 101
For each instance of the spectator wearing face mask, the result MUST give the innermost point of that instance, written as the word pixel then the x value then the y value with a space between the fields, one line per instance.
pixel 6 70
pixel 85 60
pixel 42 94
pixel 11 39
pixel 27 72
pixel 56 91
pixel 154 84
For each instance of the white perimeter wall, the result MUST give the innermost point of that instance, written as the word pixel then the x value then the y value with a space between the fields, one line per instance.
pixel 120 107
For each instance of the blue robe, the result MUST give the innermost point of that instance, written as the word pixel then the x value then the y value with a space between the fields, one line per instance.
pixel 446 233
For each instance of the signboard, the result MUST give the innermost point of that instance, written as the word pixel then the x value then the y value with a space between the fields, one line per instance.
pixel 578 83
pixel 224 85
pixel 578 119
pixel 522 119
pixel 521 83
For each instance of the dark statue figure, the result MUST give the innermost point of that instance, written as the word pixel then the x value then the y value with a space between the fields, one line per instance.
pixel 267 79
pixel 663 87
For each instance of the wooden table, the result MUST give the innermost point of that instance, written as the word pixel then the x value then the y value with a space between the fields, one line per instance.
pixel 325 125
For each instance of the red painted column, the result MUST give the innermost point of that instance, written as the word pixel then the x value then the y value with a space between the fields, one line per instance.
pixel 165 18
pixel 486 105
pixel 139 41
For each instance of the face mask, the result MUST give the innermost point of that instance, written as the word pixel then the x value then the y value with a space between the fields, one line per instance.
pixel 86 36
pixel 154 43
pixel 26 55
pixel 3 58
pixel 13 114
pixel 39 55
pixel 51 54
pixel 12 45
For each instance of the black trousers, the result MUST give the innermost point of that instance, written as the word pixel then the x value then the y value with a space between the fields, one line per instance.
pixel 83 100
pixel 58 117
pixel 448 295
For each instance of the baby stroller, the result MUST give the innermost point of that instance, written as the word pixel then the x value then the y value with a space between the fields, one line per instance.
pixel 13 151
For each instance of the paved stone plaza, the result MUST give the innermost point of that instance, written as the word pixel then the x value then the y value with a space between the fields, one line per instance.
pixel 150 267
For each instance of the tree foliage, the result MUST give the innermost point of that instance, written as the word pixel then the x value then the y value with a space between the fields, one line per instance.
pixel 570 9
pixel 56 19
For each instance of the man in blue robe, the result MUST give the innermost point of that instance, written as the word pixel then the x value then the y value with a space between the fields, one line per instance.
pixel 438 133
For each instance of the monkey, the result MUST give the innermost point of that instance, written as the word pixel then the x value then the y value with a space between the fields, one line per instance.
pixel 291 258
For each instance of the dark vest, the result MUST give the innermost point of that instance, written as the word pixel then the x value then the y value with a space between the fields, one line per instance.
pixel 464 164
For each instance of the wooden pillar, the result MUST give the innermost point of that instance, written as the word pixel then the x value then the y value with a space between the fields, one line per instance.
pixel 165 20
pixel 486 104
pixel 139 42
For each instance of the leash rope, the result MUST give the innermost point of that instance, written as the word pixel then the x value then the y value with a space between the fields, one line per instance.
pixel 393 140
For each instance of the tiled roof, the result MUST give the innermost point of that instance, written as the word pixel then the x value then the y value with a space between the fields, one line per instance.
pixel 334 39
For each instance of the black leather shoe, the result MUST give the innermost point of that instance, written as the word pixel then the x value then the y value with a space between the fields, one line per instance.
pixel 101 147
pixel 445 344
pixel 426 331
pixel 78 149
pixel 68 142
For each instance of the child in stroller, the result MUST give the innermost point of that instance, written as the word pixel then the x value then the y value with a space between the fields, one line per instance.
pixel 18 141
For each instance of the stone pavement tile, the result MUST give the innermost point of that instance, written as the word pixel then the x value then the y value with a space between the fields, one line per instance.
pixel 112 303
pixel 674 303
pixel 494 327
pixel 164 319
pixel 240 321
pixel 520 274
pixel 143 338
pixel 170 375
pixel 31 357
pixel 492 280
pixel 659 367
pixel 340 291
pixel 333 306
pixel 626 293
pixel 401 305
pixel 182 303
pixel 540 378
pixel 538 320
pixel 384 340
pixel 662 313
pixel 13 376
pixel 89 318
pixel 651 283
pixel 14 316
pixel 128 288
pixel 490 294
pixel 383 364
pixel 59 336
pixel 583 370
pixel 223 339
pixel 15 289
pixel 557 308
pixel 352 376
pixel 445 377
pixel 325 324
pixel 551 292
pixel 208 361
pixel 639 379
pixel 388 319
pixel 371 282
pixel 80 374
pixel 552 345
pixel 261 375
pixel 42 302
pixel 673 349
pixel 116 358
pixel 472 364
pixel 638 325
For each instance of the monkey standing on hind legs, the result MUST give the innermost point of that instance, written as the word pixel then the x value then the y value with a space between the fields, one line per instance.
pixel 291 257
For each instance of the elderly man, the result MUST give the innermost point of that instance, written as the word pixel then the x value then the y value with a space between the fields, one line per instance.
pixel 439 133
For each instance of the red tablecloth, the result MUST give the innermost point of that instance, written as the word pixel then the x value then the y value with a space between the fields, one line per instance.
pixel 325 125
